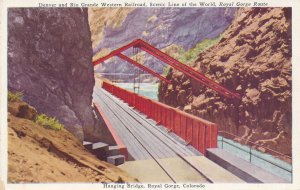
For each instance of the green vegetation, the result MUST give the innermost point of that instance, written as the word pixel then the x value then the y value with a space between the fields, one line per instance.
pixel 41 119
pixel 192 54
pixel 166 70
pixel 189 56
pixel 14 96
pixel 48 122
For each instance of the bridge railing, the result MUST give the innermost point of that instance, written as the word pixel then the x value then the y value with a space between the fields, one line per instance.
pixel 199 133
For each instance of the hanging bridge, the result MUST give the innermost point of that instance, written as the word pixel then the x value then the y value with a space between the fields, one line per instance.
pixel 154 137
pixel 142 45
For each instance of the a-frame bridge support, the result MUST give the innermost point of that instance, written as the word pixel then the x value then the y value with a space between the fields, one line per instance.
pixel 170 61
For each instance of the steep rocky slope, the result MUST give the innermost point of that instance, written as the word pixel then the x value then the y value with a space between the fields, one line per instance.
pixel 161 27
pixel 50 61
pixel 36 154
pixel 100 18
pixel 254 59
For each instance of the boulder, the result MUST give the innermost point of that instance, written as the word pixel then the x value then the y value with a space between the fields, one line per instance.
pixel 23 110
pixel 50 61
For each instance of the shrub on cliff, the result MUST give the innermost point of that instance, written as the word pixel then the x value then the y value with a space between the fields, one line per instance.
pixel 192 54
pixel 14 96
pixel 48 122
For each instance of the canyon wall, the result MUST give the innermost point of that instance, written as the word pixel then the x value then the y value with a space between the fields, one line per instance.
pixel 254 59
pixel 161 27
pixel 50 61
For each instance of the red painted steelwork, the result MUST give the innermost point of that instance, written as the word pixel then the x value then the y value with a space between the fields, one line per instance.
pixel 115 52
pixel 124 57
pixel 120 144
pixel 173 63
pixel 197 132
pixel 187 70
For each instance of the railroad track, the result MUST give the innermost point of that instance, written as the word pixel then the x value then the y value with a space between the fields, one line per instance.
pixel 157 133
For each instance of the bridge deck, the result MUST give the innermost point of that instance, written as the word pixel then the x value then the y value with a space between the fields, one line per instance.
pixel 142 137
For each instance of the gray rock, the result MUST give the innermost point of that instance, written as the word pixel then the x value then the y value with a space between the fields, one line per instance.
pixel 181 26
pixel 50 61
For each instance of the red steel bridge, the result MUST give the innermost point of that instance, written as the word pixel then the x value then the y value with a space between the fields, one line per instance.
pixel 193 130
pixel 145 129
pixel 170 61
pixel 160 136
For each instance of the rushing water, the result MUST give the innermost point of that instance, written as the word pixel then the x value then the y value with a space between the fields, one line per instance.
pixel 260 159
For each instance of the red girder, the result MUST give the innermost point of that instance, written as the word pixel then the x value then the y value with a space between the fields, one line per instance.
pixel 115 52
pixel 170 61
pixel 124 57
pixel 187 70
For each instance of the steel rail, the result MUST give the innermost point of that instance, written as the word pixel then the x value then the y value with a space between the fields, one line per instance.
pixel 257 156
pixel 149 123
pixel 152 156
pixel 253 143
pixel 175 151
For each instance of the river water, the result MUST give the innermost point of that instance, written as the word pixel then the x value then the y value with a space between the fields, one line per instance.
pixel 260 159
pixel 149 90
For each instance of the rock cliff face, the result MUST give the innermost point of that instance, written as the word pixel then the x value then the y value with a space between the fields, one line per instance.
pixel 161 27
pixel 50 61
pixel 254 59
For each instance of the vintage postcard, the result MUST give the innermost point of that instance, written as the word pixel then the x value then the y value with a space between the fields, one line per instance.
pixel 149 95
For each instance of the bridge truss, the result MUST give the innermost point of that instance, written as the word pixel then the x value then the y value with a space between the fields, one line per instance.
pixel 142 45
